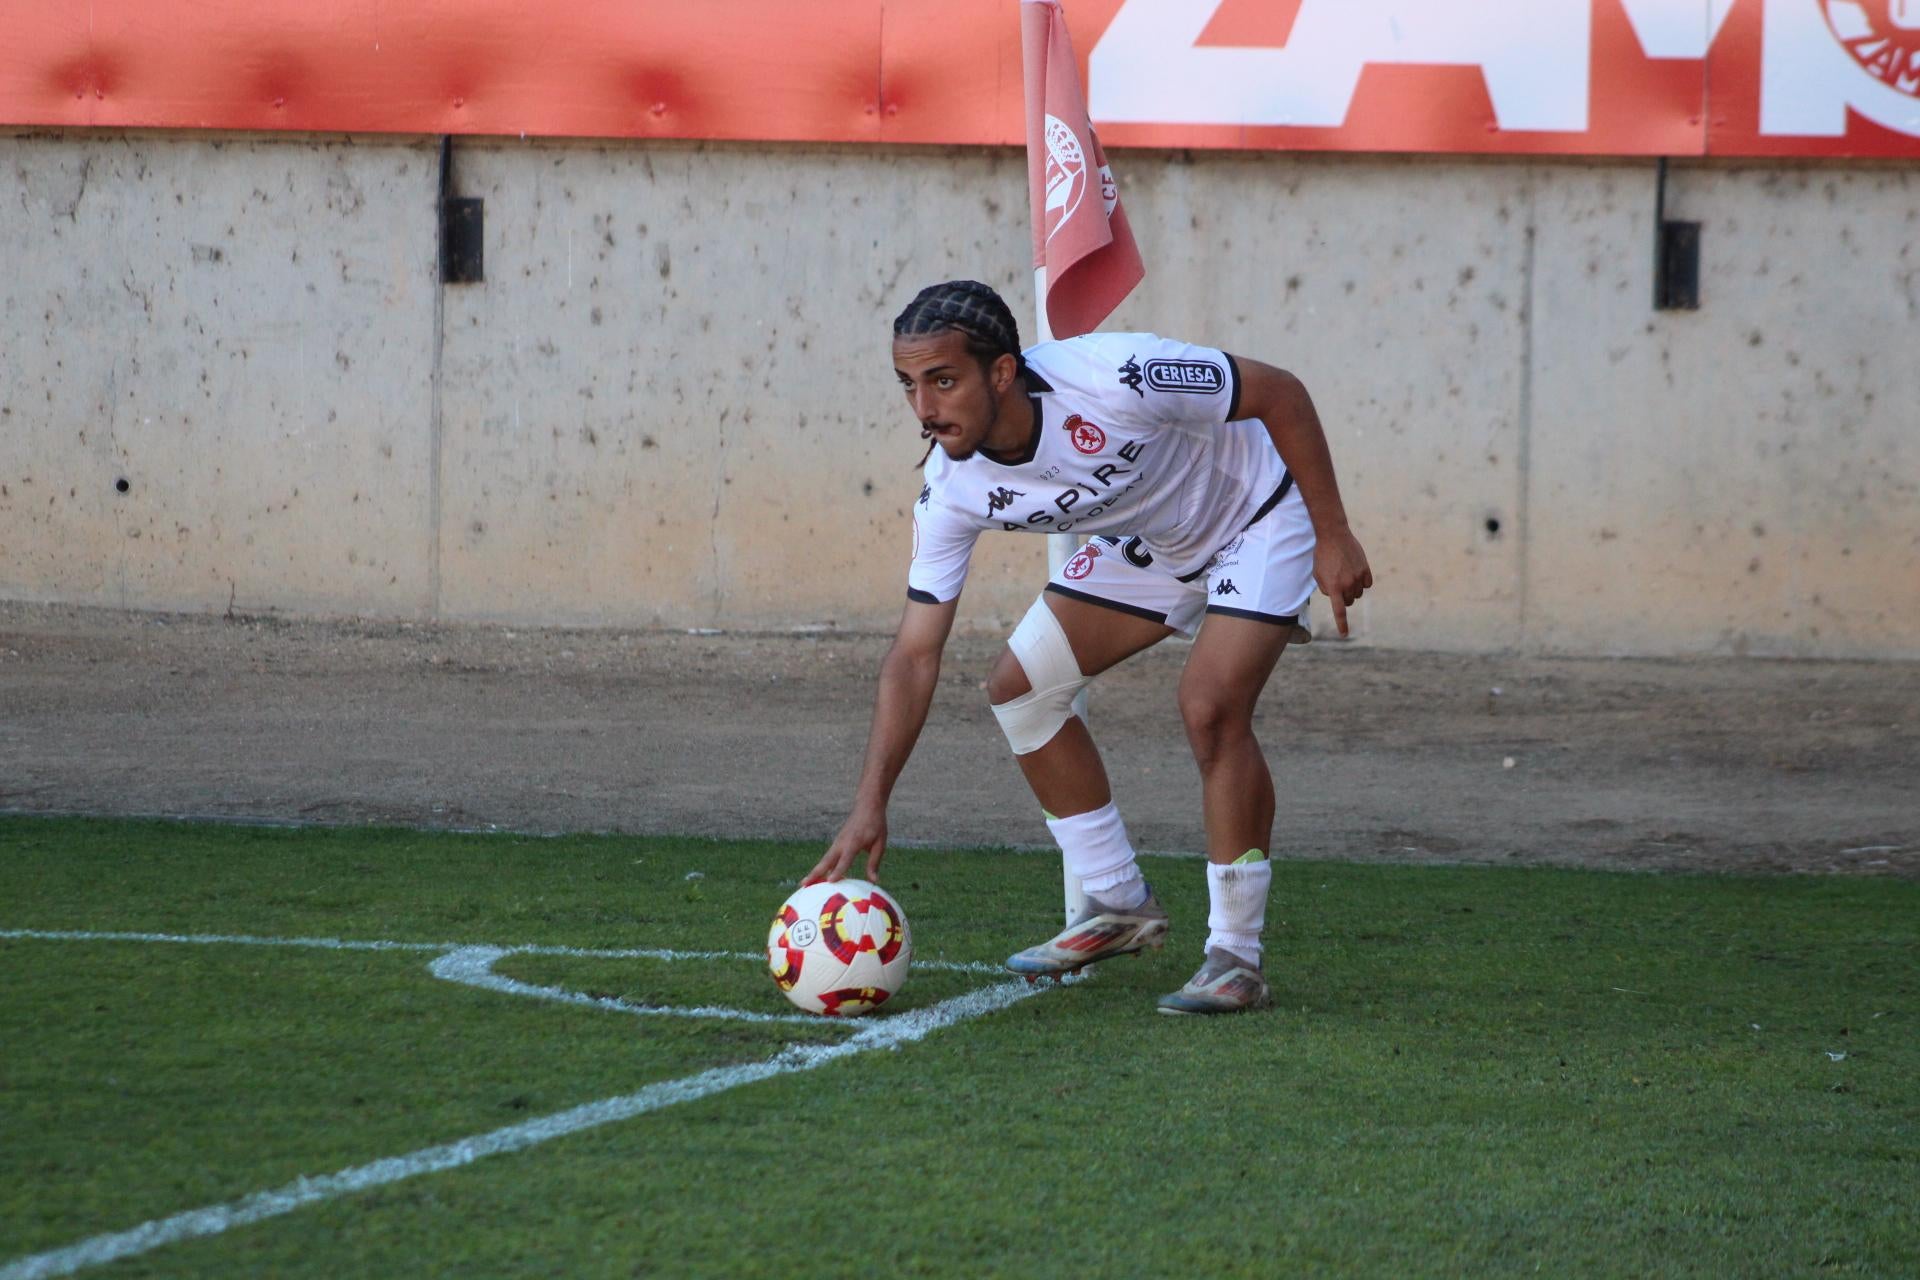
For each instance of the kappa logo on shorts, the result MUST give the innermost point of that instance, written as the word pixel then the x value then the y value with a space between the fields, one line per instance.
pixel 1082 563
pixel 1883 37
pixel 1000 499
pixel 1087 437
pixel 1226 588
pixel 1130 376
pixel 1190 377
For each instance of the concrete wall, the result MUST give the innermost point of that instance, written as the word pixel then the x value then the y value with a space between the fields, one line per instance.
pixel 670 403
pixel 243 332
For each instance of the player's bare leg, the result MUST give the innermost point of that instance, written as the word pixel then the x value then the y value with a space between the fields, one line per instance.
pixel 1070 781
pixel 1231 662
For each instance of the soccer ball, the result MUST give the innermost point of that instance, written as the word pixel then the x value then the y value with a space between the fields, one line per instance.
pixel 839 948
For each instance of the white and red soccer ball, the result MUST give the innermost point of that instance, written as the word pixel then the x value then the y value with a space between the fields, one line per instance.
pixel 839 948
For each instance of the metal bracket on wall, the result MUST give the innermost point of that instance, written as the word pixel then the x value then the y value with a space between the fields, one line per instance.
pixel 462 228
pixel 1676 255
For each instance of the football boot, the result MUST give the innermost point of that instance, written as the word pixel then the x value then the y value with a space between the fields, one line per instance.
pixel 1225 984
pixel 1100 932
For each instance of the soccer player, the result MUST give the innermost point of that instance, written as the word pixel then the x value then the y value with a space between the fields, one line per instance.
pixel 1209 484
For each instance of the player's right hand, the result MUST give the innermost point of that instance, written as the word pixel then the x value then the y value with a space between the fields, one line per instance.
pixel 1341 570
pixel 865 831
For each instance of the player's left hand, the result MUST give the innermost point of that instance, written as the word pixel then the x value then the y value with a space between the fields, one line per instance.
pixel 1340 567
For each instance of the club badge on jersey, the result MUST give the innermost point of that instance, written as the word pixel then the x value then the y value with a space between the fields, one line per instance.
pixel 1087 437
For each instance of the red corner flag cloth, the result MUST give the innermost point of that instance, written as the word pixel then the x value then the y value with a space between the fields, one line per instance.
pixel 1080 232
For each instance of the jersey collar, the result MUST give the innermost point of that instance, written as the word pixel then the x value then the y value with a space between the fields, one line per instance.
pixel 1035 386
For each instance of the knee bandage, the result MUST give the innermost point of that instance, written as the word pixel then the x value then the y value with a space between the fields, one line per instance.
pixel 1041 647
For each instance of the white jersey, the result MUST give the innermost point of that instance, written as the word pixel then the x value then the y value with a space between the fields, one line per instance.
pixel 1133 434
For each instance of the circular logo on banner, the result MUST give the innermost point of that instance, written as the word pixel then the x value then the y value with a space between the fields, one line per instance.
pixel 1087 438
pixel 1883 36
pixel 1066 174
pixel 1082 563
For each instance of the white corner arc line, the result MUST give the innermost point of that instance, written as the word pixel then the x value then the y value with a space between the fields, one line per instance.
pixel 473 967
pixel 904 1028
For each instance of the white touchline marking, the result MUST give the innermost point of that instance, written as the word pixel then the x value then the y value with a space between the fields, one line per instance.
pixel 903 1028
pixel 473 967
pixel 343 944
pixel 238 939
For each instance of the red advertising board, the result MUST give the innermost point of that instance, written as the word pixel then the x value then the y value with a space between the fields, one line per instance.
pixel 1574 77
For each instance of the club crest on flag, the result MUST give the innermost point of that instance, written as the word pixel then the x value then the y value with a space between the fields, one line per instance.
pixel 1066 174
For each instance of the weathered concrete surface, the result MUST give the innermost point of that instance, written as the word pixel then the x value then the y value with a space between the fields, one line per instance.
pixel 1745 478
pixel 669 404
pixel 242 333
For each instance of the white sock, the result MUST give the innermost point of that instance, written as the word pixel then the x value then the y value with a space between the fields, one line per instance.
pixel 1238 893
pixel 1098 852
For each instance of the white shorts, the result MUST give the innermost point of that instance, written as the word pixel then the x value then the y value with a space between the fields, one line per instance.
pixel 1265 573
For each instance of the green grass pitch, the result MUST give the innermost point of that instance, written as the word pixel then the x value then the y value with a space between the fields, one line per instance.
pixel 1468 1071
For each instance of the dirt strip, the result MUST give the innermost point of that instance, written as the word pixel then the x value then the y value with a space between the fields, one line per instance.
pixel 1706 765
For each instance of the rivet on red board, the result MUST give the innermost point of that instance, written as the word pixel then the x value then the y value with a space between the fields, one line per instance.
pixel 659 108
pixel 279 102
pixel 871 109
pixel 459 102
pixel 893 108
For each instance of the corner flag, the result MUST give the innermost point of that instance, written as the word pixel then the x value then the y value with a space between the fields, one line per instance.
pixel 1084 257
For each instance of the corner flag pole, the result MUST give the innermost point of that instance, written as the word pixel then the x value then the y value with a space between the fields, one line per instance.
pixel 1084 257
pixel 1060 546
pixel 1060 549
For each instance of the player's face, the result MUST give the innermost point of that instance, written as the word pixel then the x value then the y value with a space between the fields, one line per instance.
pixel 951 394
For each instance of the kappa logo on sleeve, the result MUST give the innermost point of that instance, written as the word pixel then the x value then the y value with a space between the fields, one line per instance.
pixel 1130 376
pixel 926 493
pixel 1190 377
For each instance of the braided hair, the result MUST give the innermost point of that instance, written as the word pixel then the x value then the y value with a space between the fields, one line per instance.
pixel 970 309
